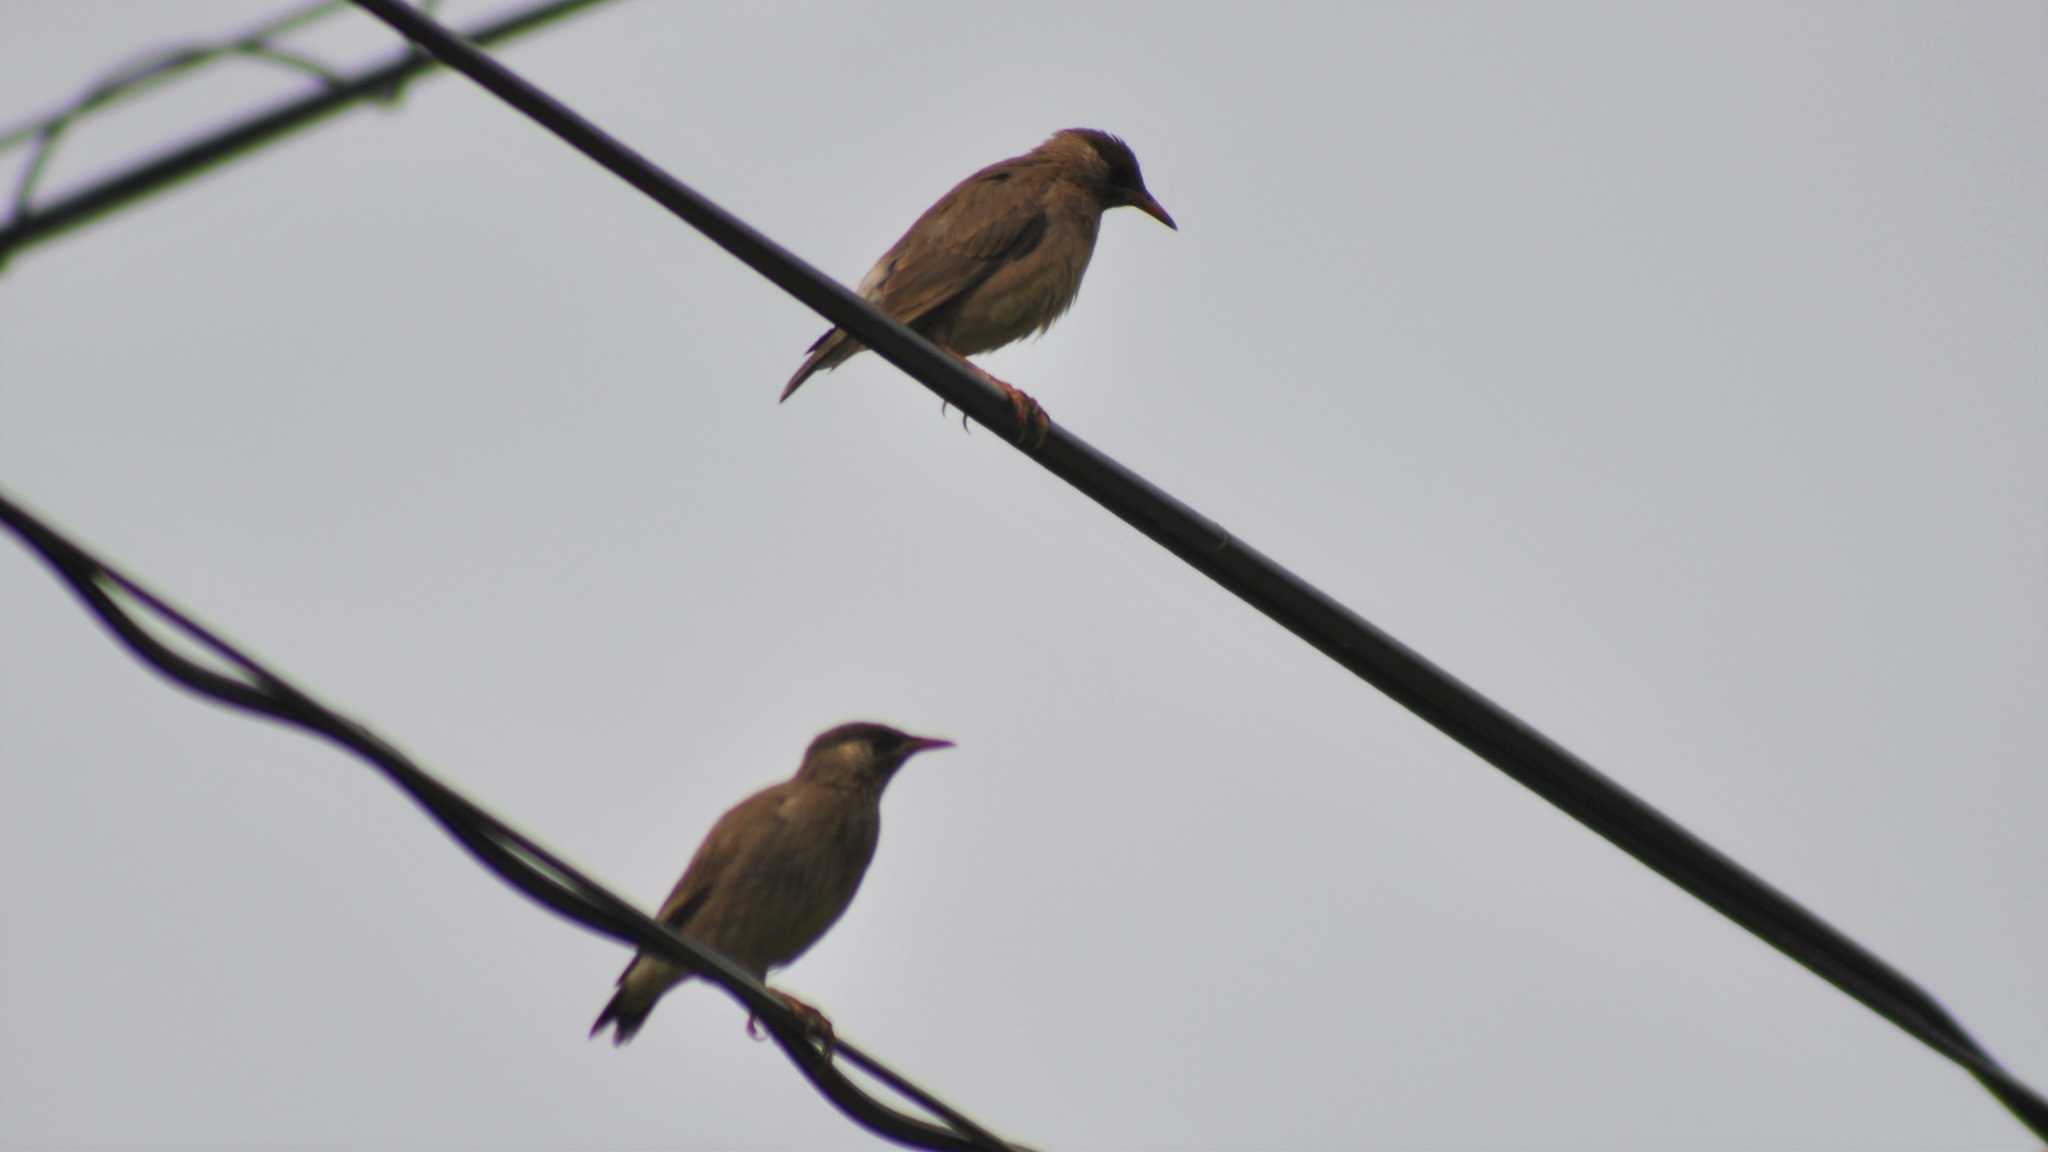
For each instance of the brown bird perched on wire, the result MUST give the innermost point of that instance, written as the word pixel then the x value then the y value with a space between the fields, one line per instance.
pixel 1000 256
pixel 777 870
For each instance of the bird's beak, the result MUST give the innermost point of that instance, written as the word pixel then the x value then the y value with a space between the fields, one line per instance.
pixel 918 744
pixel 1143 202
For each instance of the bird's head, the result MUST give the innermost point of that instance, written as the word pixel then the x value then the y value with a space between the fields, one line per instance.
pixel 862 754
pixel 1110 169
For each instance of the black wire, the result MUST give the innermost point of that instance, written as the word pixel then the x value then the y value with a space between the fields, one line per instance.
pixel 524 864
pixel 1376 657
pixel 28 225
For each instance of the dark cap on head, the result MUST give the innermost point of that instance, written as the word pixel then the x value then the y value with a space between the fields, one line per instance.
pixel 874 746
pixel 1124 182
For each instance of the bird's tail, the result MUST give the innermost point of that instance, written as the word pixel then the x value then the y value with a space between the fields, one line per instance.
pixel 826 352
pixel 640 986
pixel 625 1014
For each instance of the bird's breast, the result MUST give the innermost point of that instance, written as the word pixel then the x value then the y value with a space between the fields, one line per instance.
pixel 1029 293
pixel 783 897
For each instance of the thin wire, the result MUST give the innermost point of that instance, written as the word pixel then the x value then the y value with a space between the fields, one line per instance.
pixel 518 860
pixel 28 224
pixel 161 67
pixel 1454 708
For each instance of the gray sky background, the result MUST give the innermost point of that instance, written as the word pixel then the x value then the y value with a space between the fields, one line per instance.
pixel 1673 375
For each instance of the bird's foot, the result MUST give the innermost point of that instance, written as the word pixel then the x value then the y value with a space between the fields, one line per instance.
pixel 814 1021
pixel 1033 425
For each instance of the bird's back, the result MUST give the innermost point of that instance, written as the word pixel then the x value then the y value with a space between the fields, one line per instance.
pixel 981 235
pixel 773 874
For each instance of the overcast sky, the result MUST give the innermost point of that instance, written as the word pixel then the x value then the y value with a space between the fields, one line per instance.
pixel 1674 375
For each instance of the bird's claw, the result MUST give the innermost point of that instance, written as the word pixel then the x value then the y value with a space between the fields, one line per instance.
pixel 943 406
pixel 1033 425
pixel 815 1024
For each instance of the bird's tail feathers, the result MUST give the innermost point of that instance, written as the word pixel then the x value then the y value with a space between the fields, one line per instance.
pixel 826 352
pixel 641 986
pixel 625 1013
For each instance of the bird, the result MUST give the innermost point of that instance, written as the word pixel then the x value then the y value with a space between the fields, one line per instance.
pixel 777 870
pixel 1000 256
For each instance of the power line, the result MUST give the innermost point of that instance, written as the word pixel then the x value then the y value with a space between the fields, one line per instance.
pixel 1457 710
pixel 29 224
pixel 518 860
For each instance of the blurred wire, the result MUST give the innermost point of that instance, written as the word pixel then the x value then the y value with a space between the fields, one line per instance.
pixel 519 861
pixel 28 224
pixel 1403 674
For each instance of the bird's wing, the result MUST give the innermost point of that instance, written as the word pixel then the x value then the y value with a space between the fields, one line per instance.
pixel 991 218
pixel 737 835
pixel 988 220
